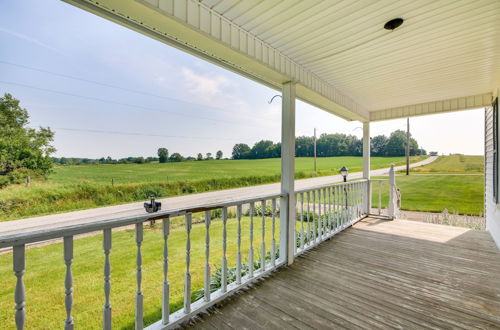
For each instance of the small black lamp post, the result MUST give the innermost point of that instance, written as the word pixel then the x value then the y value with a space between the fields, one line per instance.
pixel 344 171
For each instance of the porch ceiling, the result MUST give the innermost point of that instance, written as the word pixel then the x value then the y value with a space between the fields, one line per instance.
pixel 445 57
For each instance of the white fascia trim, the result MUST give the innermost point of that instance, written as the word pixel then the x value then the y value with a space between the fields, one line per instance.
pixel 429 108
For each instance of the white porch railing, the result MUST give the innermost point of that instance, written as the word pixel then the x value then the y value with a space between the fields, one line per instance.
pixel 321 213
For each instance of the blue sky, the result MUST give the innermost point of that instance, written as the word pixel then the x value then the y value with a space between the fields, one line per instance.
pixel 80 75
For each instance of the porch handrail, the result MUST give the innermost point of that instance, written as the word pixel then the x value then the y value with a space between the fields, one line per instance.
pixel 334 208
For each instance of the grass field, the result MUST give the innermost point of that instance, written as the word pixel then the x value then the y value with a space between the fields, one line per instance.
pixel 44 278
pixel 453 164
pixel 81 187
pixel 434 193
pixel 203 170
pixel 455 183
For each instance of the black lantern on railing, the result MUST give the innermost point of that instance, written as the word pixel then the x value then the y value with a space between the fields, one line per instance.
pixel 344 171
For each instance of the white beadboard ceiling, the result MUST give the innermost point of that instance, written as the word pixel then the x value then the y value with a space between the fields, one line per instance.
pixel 445 56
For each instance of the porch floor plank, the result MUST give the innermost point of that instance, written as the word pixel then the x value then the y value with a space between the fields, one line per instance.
pixel 376 275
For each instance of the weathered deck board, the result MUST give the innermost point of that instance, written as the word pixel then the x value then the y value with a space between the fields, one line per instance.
pixel 377 275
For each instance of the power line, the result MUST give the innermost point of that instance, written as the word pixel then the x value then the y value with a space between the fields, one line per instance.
pixel 134 106
pixel 112 86
pixel 141 134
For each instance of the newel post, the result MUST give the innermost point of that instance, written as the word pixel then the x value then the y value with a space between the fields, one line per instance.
pixel 367 194
pixel 392 193
pixel 287 204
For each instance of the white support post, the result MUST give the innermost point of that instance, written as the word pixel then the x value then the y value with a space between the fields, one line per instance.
pixel 392 193
pixel 287 205
pixel 367 194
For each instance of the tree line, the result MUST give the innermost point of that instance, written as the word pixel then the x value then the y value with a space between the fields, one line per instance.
pixel 332 145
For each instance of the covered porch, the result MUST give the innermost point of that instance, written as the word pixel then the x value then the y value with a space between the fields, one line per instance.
pixel 325 262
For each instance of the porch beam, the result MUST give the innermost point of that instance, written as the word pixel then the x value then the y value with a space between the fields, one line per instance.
pixel 421 109
pixel 287 205
pixel 366 164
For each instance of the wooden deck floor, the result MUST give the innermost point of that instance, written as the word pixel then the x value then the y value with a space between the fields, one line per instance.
pixel 378 274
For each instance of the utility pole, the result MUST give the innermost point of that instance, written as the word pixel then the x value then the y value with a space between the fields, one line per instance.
pixel 408 146
pixel 315 168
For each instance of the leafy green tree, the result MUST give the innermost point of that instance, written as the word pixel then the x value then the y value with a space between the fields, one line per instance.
pixel 379 145
pixel 199 157
pixel 240 151
pixel 176 157
pixel 163 155
pixel 22 149
pixel 209 156
pixel 218 155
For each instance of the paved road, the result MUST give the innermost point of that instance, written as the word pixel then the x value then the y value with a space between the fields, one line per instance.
pixel 110 212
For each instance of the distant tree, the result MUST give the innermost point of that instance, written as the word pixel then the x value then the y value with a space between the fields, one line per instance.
pixel 139 160
pixel 379 145
pixel 263 149
pixel 209 156
pixel 176 157
pixel 218 155
pixel 22 149
pixel 199 157
pixel 304 146
pixel 433 153
pixel 163 155
pixel 241 151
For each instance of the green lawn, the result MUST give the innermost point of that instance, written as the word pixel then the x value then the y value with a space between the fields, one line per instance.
pixel 455 183
pixel 73 188
pixel 44 278
pixel 453 164
pixel 212 169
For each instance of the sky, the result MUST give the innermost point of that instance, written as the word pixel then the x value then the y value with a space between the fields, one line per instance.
pixel 108 91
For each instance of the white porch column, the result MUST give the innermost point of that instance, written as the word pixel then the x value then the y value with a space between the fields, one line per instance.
pixel 392 193
pixel 287 206
pixel 366 166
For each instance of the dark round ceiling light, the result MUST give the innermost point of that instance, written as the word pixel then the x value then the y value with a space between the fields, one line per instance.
pixel 393 24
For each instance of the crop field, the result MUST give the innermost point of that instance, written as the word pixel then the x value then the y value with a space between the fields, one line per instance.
pixel 211 169
pixel 72 188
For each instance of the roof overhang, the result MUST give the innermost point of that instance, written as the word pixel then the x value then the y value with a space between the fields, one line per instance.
pixel 445 58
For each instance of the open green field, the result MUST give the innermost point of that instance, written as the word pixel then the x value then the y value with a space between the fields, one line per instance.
pixel 211 169
pixel 434 193
pixel 453 164
pixel 72 188
pixel 45 270
pixel 455 183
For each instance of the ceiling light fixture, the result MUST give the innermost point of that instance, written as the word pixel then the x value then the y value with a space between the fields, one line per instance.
pixel 393 24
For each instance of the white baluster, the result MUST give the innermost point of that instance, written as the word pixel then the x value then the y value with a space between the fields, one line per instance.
pixel 263 237
pixel 330 214
pixel 325 212
pixel 107 279
pixel 187 277
pixel 68 281
pixel 379 197
pixel 224 248
pixel 238 255
pixel 320 220
pixel 139 298
pixel 308 218
pixel 166 285
pixel 207 255
pixel 315 232
pixel 20 292
pixel 302 221
pixel 250 249
pixel 273 240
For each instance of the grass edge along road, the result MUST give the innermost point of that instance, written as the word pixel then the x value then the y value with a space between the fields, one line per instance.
pixel 21 202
